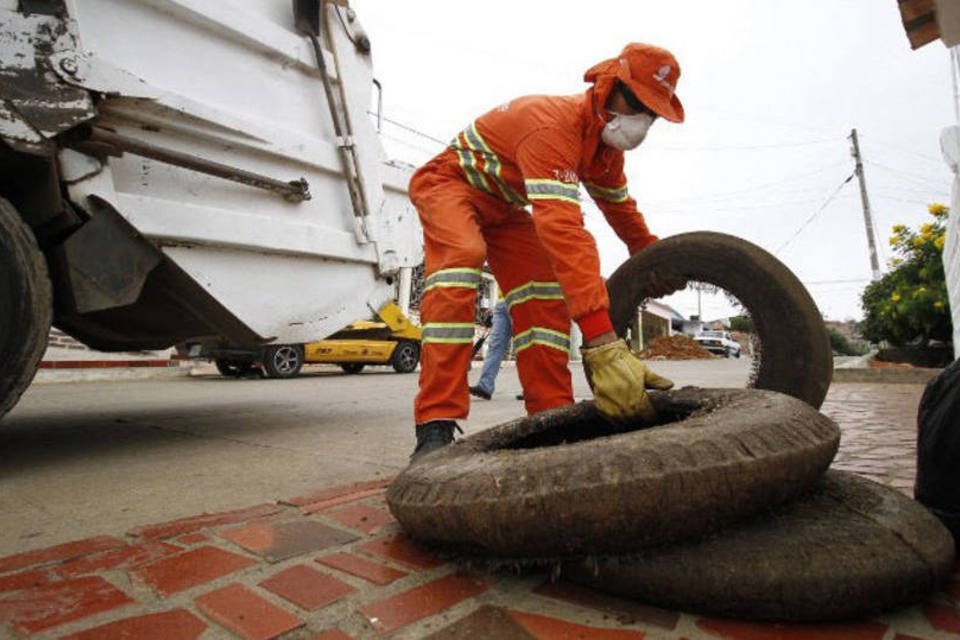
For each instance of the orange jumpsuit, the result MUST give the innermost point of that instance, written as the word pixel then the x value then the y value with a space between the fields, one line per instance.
pixel 506 191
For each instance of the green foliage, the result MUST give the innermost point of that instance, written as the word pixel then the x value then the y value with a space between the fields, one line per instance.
pixel 843 345
pixel 743 324
pixel 910 302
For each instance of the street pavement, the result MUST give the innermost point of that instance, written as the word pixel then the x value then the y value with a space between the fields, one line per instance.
pixel 209 508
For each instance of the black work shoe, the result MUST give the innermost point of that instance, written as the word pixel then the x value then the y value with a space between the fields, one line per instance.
pixel 519 396
pixel 475 390
pixel 433 435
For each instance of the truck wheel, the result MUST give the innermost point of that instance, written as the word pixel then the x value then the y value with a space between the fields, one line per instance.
pixel 233 368
pixel 352 367
pixel 405 357
pixel 565 481
pixel 794 355
pixel 26 306
pixel 282 360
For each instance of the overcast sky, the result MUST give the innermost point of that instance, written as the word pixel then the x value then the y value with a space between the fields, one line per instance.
pixel 771 91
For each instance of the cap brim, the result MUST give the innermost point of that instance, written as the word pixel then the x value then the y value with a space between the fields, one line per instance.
pixel 670 109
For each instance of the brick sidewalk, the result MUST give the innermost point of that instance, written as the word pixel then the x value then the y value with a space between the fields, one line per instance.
pixel 334 565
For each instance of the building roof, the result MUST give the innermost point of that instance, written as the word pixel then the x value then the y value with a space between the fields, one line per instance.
pixel 929 20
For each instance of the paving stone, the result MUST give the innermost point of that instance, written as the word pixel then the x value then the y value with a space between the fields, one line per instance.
pixel 485 622
pixel 177 573
pixel 247 614
pixel 276 542
pixel 39 608
pixel 123 558
pixel 361 517
pixel 338 492
pixel 192 538
pixel 178 624
pixel 332 634
pixel 193 523
pixel 626 611
pixel 738 630
pixel 362 568
pixel 307 588
pixel 59 552
pixel 28 579
pixel 406 607
pixel 315 507
pixel 401 549
pixel 942 618
pixel 545 628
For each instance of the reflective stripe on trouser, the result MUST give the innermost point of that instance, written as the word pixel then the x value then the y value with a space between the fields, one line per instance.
pixel 462 226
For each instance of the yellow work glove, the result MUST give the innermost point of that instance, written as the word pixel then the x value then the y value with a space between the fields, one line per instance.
pixel 619 382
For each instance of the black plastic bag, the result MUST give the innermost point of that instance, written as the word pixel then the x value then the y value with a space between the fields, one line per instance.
pixel 938 448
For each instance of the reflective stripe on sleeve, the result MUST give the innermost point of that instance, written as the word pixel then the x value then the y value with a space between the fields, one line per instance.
pixel 457 277
pixel 493 164
pixel 615 195
pixel 534 291
pixel 447 333
pixel 540 189
pixel 542 336
pixel 469 165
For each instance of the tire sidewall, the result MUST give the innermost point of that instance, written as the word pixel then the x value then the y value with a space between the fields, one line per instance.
pixel 270 356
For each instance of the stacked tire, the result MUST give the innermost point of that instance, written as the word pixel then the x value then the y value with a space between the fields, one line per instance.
pixel 725 506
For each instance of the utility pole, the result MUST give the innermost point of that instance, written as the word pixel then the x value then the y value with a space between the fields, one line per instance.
pixel 867 220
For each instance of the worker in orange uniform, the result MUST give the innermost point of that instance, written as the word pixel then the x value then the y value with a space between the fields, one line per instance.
pixel 473 203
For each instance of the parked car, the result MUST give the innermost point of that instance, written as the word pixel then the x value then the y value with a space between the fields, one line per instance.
pixel 719 342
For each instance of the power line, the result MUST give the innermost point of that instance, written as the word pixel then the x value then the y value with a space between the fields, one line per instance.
pixel 849 281
pixel 904 174
pixel 407 127
pixel 782 145
pixel 814 214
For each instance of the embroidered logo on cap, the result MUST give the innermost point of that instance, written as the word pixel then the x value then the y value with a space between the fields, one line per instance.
pixel 661 77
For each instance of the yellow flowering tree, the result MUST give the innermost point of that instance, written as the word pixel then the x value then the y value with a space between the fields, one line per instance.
pixel 909 303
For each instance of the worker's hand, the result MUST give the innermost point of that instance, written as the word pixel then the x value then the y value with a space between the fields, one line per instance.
pixel 619 382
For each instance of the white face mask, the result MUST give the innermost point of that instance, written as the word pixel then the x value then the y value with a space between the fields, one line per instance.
pixel 626 132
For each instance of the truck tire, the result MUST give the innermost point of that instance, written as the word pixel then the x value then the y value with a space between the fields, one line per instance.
pixel 795 355
pixel 850 549
pixel 282 360
pixel 565 481
pixel 405 357
pixel 26 306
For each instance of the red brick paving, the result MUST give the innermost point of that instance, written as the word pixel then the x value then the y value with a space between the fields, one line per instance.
pixel 58 553
pixel 194 523
pixel 307 588
pixel 407 607
pixel 189 569
pixel 39 608
pixel 277 542
pixel 399 548
pixel 247 614
pixel 177 624
pixel 361 517
pixel 542 627
pixel 362 568
pixel 878 439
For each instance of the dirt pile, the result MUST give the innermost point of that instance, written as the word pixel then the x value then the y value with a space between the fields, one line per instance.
pixel 675 347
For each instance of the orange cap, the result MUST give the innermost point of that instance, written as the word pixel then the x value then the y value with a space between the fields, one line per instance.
pixel 650 72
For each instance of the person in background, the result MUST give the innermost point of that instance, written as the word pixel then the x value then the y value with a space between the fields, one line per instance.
pixel 497 344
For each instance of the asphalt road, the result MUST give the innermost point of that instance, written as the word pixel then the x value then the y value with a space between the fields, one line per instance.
pixel 85 458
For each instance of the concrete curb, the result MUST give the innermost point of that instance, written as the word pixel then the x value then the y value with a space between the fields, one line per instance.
pixel 916 375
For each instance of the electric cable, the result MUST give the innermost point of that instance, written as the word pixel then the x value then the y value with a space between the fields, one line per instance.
pixel 407 127
pixel 816 213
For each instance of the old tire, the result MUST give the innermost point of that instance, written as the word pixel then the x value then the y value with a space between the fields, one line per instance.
pixel 26 306
pixel 283 361
pixel 405 357
pixel 564 481
pixel 795 355
pixel 851 548
pixel 233 368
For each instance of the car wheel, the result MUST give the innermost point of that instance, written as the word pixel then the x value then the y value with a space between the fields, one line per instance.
pixel 26 308
pixel 352 367
pixel 282 361
pixel 233 368
pixel 405 357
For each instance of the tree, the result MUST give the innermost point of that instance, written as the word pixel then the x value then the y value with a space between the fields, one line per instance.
pixel 743 324
pixel 909 304
pixel 843 345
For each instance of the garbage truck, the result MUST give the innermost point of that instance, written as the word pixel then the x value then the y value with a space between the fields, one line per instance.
pixel 190 171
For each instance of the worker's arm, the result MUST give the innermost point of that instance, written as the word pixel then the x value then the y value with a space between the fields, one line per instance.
pixel 548 159
pixel 612 197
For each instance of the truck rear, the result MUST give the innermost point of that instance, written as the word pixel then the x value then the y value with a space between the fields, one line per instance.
pixel 181 170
